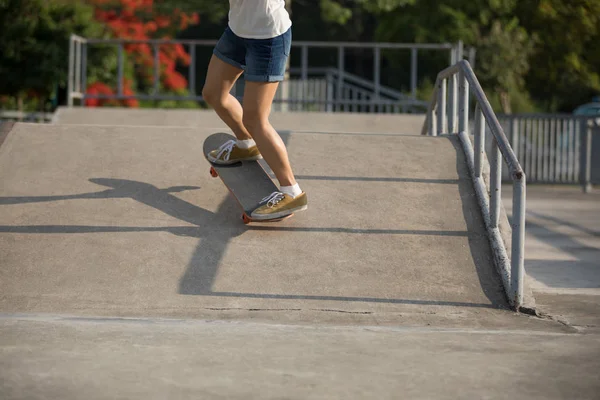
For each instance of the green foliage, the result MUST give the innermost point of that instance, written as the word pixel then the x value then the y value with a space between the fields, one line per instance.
pixel 211 10
pixel 566 59
pixel 504 60
pixel 548 48
pixel 34 43
pixel 168 104
pixel 333 11
pixel 355 15
pixel 534 54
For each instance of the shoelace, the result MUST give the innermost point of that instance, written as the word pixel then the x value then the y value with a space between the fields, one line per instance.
pixel 226 148
pixel 273 199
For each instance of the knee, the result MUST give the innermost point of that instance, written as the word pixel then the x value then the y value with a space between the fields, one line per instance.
pixel 211 96
pixel 253 122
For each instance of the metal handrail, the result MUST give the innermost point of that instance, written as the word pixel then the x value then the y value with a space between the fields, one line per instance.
pixel 445 121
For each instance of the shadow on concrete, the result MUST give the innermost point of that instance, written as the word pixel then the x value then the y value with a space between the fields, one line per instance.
pixel 559 221
pixel 581 272
pixel 352 299
pixel 375 179
pixel 565 274
pixel 481 252
pixel 358 230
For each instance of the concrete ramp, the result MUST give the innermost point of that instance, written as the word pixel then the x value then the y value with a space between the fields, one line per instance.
pixel 207 119
pixel 127 221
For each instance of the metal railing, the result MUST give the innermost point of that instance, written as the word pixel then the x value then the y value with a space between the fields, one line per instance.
pixel 317 92
pixel 77 78
pixel 338 99
pixel 553 148
pixel 449 113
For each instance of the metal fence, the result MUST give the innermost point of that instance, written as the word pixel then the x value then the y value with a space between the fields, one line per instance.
pixel 448 113
pixel 343 93
pixel 317 92
pixel 553 148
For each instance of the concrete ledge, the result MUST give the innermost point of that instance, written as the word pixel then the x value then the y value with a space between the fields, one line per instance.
pixel 501 237
pixel 207 119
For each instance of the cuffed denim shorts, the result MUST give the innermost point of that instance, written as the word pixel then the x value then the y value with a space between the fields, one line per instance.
pixel 263 60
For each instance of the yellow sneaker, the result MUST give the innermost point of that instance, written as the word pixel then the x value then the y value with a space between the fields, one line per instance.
pixel 230 153
pixel 279 205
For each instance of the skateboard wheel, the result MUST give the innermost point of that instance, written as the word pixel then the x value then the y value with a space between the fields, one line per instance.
pixel 246 219
pixel 213 172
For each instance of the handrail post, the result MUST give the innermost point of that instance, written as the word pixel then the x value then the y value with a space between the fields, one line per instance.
pixel 84 73
pixel 479 140
pixel 413 72
pixel 586 151
pixel 518 240
pixel 376 75
pixel 192 69
pixel 120 67
pixel 460 51
pixel 453 104
pixel 441 108
pixel 453 89
pixel 156 68
pixel 463 101
pixel 304 77
pixel 432 121
pixel 340 77
pixel 71 72
pixel 78 66
pixel 495 181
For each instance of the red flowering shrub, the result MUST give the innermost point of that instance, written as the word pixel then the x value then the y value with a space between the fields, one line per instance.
pixel 137 20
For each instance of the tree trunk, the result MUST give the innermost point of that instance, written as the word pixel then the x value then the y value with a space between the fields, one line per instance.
pixel 505 102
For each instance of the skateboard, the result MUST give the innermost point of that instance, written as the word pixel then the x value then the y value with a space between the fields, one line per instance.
pixel 247 181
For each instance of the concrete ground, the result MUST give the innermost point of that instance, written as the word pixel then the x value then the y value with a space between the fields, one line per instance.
pixel 381 241
pixel 73 358
pixel 126 273
pixel 562 252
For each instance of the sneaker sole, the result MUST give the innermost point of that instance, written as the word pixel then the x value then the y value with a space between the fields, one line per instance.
pixel 280 214
pixel 220 162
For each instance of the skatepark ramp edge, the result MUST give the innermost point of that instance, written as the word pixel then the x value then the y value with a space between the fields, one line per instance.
pixel 448 113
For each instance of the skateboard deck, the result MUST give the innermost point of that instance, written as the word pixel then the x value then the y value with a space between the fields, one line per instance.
pixel 247 181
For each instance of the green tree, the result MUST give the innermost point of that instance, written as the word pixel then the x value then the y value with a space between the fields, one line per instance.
pixel 504 54
pixel 503 45
pixel 566 61
pixel 34 45
pixel 211 10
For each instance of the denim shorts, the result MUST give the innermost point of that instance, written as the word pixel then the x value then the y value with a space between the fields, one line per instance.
pixel 263 60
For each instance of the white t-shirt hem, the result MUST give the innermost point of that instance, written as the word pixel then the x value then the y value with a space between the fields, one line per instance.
pixel 266 36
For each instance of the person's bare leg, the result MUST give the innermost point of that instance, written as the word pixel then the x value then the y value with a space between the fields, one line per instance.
pixel 220 78
pixel 258 97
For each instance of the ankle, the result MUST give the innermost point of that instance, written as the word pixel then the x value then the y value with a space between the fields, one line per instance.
pixel 292 190
pixel 246 143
